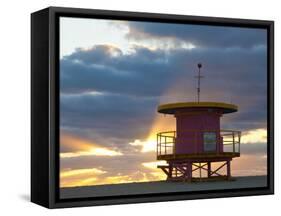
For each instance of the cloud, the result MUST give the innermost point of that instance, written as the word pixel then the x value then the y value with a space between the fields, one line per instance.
pixel 79 177
pixel 109 98
pixel 71 146
pixel 236 75
pixel 70 173
pixel 153 164
pixel 249 165
pixel 198 35
pixel 110 120
pixel 94 151
pixel 112 170
pixel 150 72
pixel 255 136
pixel 139 167
pixel 95 70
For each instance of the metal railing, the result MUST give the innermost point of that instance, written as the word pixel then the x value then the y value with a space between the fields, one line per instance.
pixel 166 140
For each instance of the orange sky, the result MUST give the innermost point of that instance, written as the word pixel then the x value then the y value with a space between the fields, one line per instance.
pixel 247 164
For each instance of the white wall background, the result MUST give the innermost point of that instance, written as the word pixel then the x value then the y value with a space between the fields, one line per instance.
pixel 15 106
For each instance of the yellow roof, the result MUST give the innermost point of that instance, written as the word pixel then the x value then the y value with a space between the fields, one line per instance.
pixel 171 108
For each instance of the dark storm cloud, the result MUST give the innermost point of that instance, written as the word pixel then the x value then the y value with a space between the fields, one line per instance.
pixel 108 119
pixel 149 73
pixel 248 117
pixel 199 35
pixel 141 73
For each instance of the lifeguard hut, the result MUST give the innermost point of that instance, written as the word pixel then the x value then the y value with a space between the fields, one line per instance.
pixel 198 141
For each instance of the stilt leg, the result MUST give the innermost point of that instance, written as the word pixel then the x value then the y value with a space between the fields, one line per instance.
pixel 200 172
pixel 209 169
pixel 170 173
pixel 189 171
pixel 228 170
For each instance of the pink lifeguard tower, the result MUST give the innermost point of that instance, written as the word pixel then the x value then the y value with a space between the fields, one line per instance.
pixel 198 141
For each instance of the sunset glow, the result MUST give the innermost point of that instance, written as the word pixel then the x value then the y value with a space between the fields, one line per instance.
pixel 255 136
pixel 83 147
pixel 93 151
pixel 114 75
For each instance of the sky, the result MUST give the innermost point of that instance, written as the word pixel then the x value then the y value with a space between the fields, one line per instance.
pixel 114 74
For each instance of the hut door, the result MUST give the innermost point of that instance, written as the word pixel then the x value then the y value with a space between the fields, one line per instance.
pixel 210 141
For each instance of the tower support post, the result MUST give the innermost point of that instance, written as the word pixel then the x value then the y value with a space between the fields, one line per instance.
pixel 228 169
pixel 189 171
pixel 170 172
pixel 209 169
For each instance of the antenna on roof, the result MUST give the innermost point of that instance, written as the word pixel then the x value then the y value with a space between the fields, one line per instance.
pixel 199 65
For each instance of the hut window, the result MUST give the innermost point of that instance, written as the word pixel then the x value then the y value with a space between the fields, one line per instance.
pixel 210 141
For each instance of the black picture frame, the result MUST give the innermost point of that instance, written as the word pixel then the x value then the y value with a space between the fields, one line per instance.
pixel 45 106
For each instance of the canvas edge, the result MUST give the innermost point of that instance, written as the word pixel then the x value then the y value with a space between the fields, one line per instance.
pixel 40 108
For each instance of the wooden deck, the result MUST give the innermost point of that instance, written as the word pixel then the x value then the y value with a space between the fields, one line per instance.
pixel 199 157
